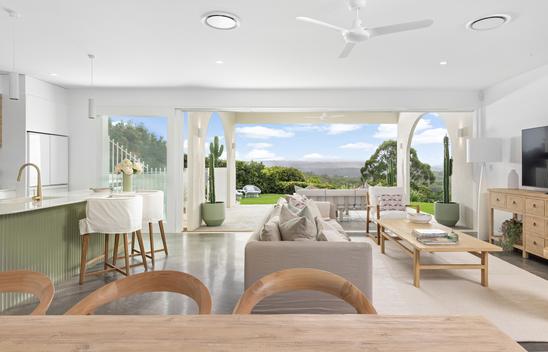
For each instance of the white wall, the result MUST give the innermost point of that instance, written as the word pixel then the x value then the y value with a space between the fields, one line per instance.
pixel 511 106
pixel 13 149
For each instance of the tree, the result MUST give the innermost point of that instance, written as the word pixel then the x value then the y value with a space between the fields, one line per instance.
pixel 380 169
pixel 150 148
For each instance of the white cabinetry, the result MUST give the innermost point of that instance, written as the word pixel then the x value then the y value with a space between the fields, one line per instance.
pixel 50 153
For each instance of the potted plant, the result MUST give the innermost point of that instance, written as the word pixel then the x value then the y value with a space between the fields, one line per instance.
pixel 213 212
pixel 127 168
pixel 447 212
pixel 511 234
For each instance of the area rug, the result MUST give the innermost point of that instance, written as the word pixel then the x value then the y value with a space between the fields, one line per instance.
pixel 516 301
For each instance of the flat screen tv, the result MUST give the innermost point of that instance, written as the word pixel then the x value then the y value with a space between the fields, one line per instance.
pixel 534 161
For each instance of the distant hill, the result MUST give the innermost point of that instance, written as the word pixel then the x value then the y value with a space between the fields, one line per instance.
pixel 327 168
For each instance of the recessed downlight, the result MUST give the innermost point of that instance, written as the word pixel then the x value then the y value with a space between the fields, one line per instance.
pixel 488 23
pixel 52 74
pixel 219 62
pixel 221 20
pixel 443 63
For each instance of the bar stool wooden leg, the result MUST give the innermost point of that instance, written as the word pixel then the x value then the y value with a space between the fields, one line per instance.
pixel 151 235
pixel 83 259
pixel 105 266
pixel 126 254
pixel 143 250
pixel 132 242
pixel 115 250
pixel 162 232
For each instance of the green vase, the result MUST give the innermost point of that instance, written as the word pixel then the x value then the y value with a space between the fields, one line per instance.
pixel 127 183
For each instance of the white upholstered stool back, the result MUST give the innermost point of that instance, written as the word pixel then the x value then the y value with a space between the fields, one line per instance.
pixel 153 212
pixel 112 215
pixel 153 205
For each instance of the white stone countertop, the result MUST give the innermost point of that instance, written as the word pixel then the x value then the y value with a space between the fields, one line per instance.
pixel 21 205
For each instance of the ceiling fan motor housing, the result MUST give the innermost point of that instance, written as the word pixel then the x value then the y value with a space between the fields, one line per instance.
pixel 356 4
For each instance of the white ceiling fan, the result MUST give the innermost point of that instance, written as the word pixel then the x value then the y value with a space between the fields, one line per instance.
pixel 358 33
pixel 323 117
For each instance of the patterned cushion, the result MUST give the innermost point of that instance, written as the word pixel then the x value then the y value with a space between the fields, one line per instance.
pixel 391 202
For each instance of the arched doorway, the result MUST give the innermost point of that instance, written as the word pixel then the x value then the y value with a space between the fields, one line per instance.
pixel 426 160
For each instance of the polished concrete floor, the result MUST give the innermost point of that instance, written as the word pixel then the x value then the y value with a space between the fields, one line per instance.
pixel 217 259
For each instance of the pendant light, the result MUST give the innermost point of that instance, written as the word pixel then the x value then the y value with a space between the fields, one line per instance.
pixel 91 100
pixel 13 75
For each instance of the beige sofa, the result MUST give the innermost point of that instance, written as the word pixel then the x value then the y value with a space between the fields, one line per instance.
pixel 351 260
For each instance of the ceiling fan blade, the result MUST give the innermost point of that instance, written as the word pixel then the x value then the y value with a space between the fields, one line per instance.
pixel 321 23
pixel 401 27
pixel 347 49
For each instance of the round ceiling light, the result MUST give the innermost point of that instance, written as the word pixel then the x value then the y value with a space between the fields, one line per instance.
pixel 489 22
pixel 221 20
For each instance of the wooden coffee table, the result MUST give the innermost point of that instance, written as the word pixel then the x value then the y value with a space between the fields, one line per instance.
pixel 401 232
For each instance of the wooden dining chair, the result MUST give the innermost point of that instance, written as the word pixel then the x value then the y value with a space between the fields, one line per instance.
pixel 303 279
pixel 155 281
pixel 25 281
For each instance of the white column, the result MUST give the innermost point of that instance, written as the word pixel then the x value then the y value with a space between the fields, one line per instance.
pixel 175 164
pixel 229 123
pixel 406 128
pixel 197 125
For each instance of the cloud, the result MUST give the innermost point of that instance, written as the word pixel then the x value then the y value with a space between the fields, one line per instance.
pixel 259 145
pixel 262 154
pixel 261 132
pixel 386 131
pixel 313 156
pixel 359 146
pixel 423 124
pixel 430 136
pixel 339 128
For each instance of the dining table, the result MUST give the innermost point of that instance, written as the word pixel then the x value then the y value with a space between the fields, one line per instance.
pixel 316 333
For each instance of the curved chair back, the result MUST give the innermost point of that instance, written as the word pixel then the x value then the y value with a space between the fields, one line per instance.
pixel 156 281
pixel 31 282
pixel 302 279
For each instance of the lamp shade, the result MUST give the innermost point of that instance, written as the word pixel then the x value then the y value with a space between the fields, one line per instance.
pixel 483 150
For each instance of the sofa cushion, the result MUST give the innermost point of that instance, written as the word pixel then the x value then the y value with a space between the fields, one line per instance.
pixel 271 230
pixel 328 233
pixel 298 229
pixel 331 229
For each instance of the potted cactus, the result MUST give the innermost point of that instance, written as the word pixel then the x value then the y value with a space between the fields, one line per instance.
pixel 213 212
pixel 447 212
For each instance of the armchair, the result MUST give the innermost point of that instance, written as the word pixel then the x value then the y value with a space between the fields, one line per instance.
pixel 374 204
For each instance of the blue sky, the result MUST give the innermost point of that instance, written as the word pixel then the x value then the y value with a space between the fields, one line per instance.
pixel 319 142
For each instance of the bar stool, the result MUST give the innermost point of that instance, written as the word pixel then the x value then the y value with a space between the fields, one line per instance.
pixel 111 216
pixel 153 211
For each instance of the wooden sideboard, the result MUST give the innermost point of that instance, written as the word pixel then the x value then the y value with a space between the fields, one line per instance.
pixel 532 207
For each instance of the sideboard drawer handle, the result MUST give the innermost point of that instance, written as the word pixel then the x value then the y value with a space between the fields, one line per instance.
pixel 535 243
pixel 534 224
pixel 513 202
pixel 534 205
pixel 498 200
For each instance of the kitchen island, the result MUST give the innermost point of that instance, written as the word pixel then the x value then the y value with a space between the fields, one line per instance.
pixel 43 236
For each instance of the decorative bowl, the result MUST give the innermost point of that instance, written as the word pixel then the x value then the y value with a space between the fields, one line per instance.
pixel 419 218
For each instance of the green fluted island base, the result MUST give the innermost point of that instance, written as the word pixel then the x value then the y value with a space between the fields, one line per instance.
pixel 47 241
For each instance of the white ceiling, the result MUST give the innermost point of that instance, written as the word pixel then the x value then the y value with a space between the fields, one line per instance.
pixel 152 43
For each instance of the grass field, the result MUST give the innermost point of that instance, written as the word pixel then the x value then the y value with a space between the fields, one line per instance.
pixel 262 199
pixel 425 207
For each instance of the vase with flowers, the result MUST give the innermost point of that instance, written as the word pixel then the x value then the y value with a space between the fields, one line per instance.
pixel 128 168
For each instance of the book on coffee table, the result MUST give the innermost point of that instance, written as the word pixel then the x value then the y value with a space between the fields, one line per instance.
pixel 430 233
pixel 447 240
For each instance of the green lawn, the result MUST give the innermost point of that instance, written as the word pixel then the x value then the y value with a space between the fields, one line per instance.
pixel 425 207
pixel 262 199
